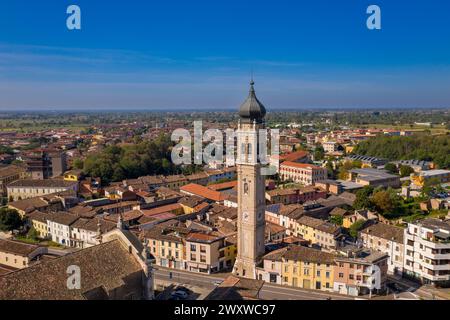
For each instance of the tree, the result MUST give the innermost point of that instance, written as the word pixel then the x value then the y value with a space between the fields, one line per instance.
pixel 337 220
pixel 385 201
pixel 330 169
pixel 9 219
pixel 429 186
pixel 391 168
pixel 355 227
pixel 319 153
pixel 424 146
pixel 363 200
pixel 116 163
pixel 32 234
pixel 78 163
pixel 405 171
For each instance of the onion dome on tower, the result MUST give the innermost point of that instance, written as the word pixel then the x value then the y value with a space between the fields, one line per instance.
pixel 252 110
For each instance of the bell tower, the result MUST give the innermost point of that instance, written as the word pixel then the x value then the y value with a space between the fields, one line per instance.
pixel 251 187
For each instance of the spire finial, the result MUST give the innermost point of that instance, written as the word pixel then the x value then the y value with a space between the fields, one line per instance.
pixel 251 78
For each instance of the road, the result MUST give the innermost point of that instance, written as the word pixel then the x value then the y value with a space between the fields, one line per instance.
pixel 414 291
pixel 268 291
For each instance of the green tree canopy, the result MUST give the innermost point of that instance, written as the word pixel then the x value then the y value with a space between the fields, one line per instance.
pixel 355 227
pixel 115 163
pixel 9 219
pixel 420 146
pixel 363 200
pixel 391 168
pixel 405 171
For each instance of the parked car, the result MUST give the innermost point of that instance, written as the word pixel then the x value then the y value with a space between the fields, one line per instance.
pixel 393 287
pixel 180 293
pixel 182 288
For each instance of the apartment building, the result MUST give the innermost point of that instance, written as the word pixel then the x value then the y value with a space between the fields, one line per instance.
pixel 26 188
pixel 209 252
pixel 19 255
pixel 85 233
pixel 272 268
pixel 167 245
pixel 306 174
pixel 299 266
pixel 319 232
pixel 10 174
pixel 388 239
pixel 295 195
pixel 438 175
pixel 427 251
pixel 355 272
pixel 45 164
pixel 360 272
pixel 374 178
pixel 308 268
pixel 36 203
pixel 59 227
pixel 38 220
pixel 330 146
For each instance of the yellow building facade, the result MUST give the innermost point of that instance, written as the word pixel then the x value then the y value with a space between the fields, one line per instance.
pixel 308 268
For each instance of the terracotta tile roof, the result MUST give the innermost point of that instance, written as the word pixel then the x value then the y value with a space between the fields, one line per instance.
pixel 202 191
pixel 300 253
pixel 201 206
pixel 236 288
pixel 294 155
pixel 197 176
pixel 191 201
pixel 16 247
pixel 50 183
pixel 174 178
pixel 161 209
pixel 275 255
pixel 63 218
pixel 166 233
pixel 10 170
pixel 105 265
pixel 385 231
pixel 300 165
pixel 223 185
pixel 92 225
pixel 310 221
pixel 38 216
pixel 338 212
pixel 203 237
pixel 274 228
pixel 29 204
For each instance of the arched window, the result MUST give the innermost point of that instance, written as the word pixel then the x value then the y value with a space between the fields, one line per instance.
pixel 243 147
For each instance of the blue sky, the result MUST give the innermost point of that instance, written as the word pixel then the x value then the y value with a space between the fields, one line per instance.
pixel 199 54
